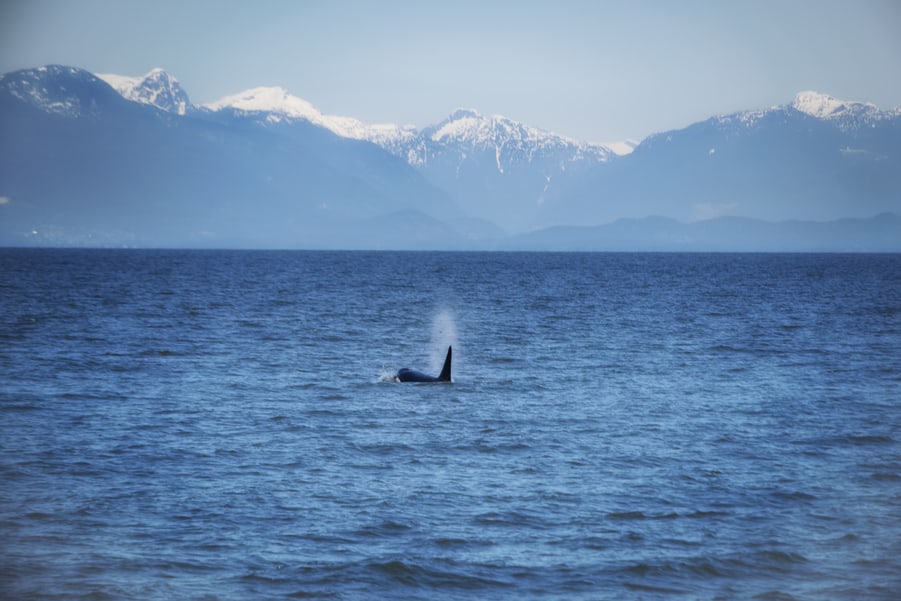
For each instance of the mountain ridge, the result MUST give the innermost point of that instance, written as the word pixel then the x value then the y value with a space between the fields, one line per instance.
pixel 524 178
pixel 156 88
pixel 877 234
pixel 134 155
pixel 80 164
pixel 161 89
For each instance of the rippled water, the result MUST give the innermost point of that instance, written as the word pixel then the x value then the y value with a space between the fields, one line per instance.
pixel 221 425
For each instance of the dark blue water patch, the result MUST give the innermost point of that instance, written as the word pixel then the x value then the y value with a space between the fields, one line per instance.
pixel 869 439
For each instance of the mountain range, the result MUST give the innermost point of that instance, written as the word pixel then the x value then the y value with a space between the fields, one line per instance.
pixel 110 160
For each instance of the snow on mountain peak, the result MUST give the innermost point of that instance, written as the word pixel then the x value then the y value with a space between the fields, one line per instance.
pixel 470 128
pixel 463 124
pixel 823 106
pixel 274 104
pixel 157 88
pixel 848 116
pixel 269 99
pixel 815 104
pixel 280 105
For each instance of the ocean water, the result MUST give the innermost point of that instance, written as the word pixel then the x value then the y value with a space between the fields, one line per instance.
pixel 224 425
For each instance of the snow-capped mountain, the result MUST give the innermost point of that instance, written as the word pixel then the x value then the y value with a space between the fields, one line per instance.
pixel 81 156
pixel 813 158
pixel 274 105
pixel 848 116
pixel 509 140
pixel 71 92
pixel 466 130
pixel 156 88
pixel 498 168
pixel 467 137
pixel 81 164
pixel 274 100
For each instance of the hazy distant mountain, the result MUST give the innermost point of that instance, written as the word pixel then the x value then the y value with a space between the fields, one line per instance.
pixel 494 168
pixel 881 233
pixel 129 160
pixel 497 168
pixel 816 158
pixel 81 164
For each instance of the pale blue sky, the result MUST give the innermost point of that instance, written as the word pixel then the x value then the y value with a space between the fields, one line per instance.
pixel 595 70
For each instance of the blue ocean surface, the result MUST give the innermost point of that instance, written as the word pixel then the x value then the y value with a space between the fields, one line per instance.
pixel 225 425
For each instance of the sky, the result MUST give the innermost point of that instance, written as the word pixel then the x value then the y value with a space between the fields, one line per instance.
pixel 596 70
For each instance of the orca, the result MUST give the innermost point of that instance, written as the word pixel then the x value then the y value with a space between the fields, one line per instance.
pixel 411 375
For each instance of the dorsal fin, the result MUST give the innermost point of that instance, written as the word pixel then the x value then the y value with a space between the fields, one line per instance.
pixel 446 370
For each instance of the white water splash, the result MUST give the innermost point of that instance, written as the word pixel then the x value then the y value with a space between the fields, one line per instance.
pixel 387 374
